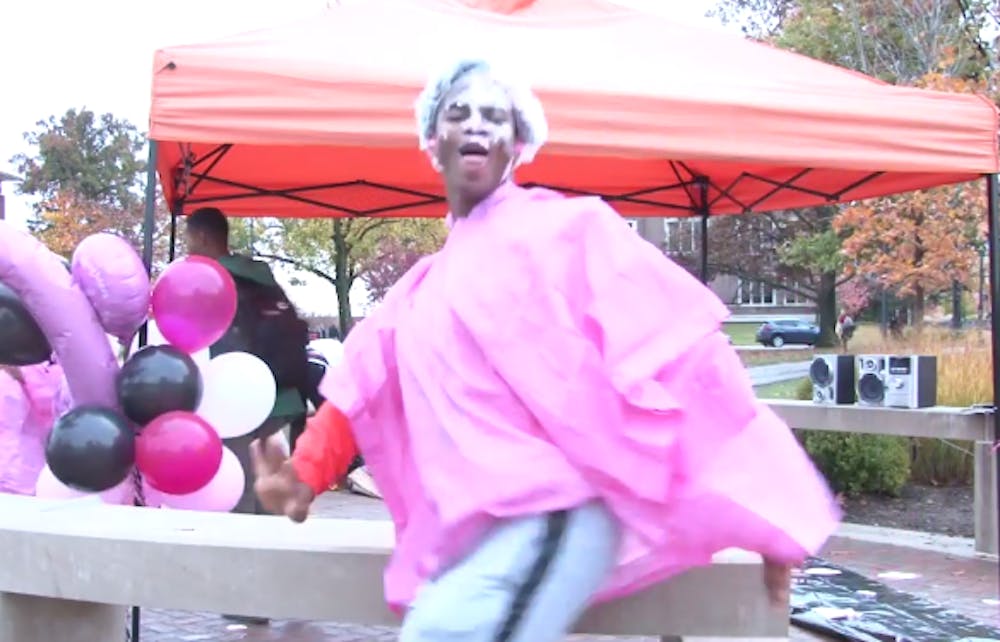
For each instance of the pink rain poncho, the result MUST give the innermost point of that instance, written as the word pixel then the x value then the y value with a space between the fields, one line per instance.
pixel 546 356
pixel 27 412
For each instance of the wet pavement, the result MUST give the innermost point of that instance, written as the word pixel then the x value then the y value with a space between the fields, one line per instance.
pixel 966 585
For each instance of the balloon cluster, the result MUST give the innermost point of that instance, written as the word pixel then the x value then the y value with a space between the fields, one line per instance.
pixel 167 409
pixel 185 402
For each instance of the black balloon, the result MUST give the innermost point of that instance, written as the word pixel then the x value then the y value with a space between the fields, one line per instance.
pixel 157 380
pixel 91 449
pixel 22 342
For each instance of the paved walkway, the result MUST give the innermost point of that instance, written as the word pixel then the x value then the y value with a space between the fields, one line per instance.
pixel 962 583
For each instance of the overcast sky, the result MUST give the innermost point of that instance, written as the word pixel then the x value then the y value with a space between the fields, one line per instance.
pixel 58 54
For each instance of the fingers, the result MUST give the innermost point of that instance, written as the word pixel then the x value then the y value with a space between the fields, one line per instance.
pixel 297 511
pixel 777 580
pixel 267 457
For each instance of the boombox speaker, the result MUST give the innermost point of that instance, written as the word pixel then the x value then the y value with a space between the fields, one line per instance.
pixel 832 377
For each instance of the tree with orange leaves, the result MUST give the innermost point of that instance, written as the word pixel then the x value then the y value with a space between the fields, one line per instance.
pixel 920 243
pixel 916 244
pixel 67 218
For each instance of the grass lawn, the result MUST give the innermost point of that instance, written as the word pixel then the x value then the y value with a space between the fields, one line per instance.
pixel 780 390
pixel 770 357
pixel 742 334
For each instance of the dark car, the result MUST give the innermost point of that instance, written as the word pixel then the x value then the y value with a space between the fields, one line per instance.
pixel 787 331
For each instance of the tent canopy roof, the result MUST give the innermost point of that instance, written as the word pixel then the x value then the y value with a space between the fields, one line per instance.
pixel 316 118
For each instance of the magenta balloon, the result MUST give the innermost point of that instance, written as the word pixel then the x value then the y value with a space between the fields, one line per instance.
pixel 115 281
pixel 220 495
pixel 178 453
pixel 64 314
pixel 194 303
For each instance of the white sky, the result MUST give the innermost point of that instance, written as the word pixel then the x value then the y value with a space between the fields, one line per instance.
pixel 97 54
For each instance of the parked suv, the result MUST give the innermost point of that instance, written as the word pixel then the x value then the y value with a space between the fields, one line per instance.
pixel 787 331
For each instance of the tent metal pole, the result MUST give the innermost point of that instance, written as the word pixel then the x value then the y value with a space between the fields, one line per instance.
pixel 149 222
pixel 148 225
pixel 993 206
pixel 172 252
pixel 703 212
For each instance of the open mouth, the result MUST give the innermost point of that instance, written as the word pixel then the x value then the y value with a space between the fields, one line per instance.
pixel 473 149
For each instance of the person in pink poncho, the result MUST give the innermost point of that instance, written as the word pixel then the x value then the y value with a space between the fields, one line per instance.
pixel 548 405
pixel 31 399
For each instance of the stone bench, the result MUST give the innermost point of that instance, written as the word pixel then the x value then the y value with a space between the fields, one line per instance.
pixel 69 570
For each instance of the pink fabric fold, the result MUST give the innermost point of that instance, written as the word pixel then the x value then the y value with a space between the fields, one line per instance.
pixel 546 356
pixel 27 412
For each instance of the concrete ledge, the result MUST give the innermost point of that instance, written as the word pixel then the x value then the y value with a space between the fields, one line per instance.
pixel 325 569
pixel 941 422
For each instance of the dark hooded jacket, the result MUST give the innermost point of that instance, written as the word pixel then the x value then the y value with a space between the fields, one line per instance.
pixel 288 402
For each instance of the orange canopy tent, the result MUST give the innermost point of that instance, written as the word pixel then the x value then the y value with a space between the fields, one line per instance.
pixel 315 118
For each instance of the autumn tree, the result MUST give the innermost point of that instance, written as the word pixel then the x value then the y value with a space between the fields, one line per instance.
pixel 343 250
pixel 931 43
pixel 916 244
pixel 396 251
pixel 87 175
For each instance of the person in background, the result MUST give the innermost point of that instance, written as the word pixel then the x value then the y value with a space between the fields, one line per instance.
pixel 266 325
pixel 31 399
pixel 845 328
pixel 315 371
pixel 356 478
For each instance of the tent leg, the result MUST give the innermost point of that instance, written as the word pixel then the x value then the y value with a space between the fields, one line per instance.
pixel 148 223
pixel 704 213
pixel 993 216
pixel 173 236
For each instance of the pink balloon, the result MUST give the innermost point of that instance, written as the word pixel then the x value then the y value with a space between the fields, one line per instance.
pixel 153 497
pixel 121 495
pixel 178 452
pixel 114 279
pixel 220 495
pixel 64 314
pixel 194 303
pixel 49 487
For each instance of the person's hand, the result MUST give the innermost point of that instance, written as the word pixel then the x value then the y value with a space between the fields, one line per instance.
pixel 277 486
pixel 777 581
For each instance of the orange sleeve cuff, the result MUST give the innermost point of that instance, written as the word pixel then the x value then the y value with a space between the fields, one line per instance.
pixel 325 450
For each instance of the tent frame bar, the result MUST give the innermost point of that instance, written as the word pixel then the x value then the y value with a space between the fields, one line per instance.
pixel 194 171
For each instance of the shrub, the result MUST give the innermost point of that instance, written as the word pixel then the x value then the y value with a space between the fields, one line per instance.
pixel 964 379
pixel 855 463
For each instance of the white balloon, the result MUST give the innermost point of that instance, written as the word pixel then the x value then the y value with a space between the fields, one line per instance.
pixel 154 338
pixel 239 393
pixel 201 358
pixel 331 349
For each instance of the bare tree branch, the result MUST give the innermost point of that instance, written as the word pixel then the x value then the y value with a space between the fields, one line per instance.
pixel 300 265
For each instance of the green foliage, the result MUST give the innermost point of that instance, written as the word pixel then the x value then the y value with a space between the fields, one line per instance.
pixel 343 250
pixel 818 252
pixel 854 464
pixel 96 158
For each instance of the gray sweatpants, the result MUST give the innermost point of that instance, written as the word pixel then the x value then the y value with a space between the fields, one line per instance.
pixel 528 581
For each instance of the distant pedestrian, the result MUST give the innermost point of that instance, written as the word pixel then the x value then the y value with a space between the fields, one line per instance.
pixel 845 329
